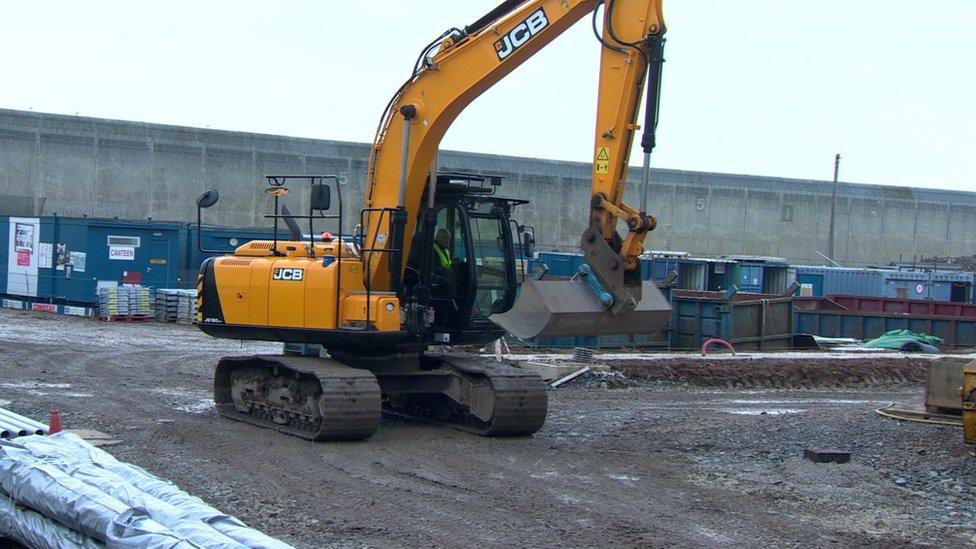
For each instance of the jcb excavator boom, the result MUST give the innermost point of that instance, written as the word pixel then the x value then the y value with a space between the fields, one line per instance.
pixel 462 64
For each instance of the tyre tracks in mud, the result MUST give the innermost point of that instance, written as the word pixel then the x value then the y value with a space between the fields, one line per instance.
pixel 611 466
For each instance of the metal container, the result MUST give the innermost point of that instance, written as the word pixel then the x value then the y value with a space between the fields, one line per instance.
pixel 750 278
pixel 59 260
pixel 956 287
pixel 824 317
pixel 747 321
pixel 660 268
pixel 891 283
pixel 558 264
pixel 905 285
pixel 821 281
pixel 904 306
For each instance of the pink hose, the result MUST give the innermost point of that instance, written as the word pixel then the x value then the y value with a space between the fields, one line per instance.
pixel 719 341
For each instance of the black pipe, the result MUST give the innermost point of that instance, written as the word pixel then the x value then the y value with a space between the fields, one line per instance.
pixel 293 228
pixel 655 64
pixel 426 252
pixel 274 233
pixel 398 222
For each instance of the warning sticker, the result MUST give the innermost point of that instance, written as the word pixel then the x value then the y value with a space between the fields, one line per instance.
pixel 602 164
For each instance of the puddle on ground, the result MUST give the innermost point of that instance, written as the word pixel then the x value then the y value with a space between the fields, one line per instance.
pixel 761 412
pixel 174 392
pixel 34 385
pixel 198 407
pixel 852 402
pixel 547 474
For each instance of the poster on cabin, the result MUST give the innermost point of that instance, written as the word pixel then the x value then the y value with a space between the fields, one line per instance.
pixel 22 258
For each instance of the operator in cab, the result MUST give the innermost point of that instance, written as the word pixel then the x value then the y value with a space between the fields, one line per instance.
pixel 442 273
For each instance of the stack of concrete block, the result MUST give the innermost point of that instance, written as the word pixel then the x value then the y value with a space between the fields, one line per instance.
pixel 186 312
pixel 125 303
pixel 175 305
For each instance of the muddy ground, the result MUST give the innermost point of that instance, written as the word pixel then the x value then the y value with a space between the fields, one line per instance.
pixel 651 459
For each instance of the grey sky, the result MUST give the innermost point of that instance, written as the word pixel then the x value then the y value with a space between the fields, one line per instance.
pixel 771 87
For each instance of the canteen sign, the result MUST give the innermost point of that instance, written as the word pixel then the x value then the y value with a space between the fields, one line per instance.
pixel 122 253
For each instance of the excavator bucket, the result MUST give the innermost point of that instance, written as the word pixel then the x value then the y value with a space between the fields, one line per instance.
pixel 567 308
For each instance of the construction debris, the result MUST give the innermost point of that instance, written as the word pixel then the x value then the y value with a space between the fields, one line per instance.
pixel 551 371
pixel 571 376
pixel 585 355
pixel 827 456
pixel 95 438
pixel 965 262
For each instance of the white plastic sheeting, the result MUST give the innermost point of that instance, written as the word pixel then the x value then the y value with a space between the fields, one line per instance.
pixel 76 505
pixel 70 447
pixel 35 530
pixel 88 490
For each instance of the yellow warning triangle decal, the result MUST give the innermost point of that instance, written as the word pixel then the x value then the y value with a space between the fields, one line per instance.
pixel 603 153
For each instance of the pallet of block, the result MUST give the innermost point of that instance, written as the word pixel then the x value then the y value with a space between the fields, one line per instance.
pixel 176 305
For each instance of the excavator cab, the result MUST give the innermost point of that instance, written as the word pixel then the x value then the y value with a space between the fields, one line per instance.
pixel 462 264
pixel 463 267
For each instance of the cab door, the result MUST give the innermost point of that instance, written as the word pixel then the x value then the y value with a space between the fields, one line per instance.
pixel 450 274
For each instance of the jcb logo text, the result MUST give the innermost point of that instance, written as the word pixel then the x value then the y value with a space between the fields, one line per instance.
pixel 288 274
pixel 521 34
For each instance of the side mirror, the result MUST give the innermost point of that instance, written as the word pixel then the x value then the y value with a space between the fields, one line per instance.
pixel 321 197
pixel 528 241
pixel 207 198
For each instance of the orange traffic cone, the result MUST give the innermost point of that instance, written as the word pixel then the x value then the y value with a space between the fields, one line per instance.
pixel 54 425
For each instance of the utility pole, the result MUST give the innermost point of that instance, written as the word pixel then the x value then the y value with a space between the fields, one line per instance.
pixel 833 208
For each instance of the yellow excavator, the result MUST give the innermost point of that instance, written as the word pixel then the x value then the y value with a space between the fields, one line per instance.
pixel 433 259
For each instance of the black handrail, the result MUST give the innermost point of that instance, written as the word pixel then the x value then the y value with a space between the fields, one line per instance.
pixel 278 180
pixel 367 271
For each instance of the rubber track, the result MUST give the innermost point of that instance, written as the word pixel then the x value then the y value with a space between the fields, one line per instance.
pixel 521 400
pixel 349 403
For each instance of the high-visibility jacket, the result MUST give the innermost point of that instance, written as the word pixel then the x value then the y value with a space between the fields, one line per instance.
pixel 442 255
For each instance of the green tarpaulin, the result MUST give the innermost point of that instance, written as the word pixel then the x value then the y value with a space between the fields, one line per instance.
pixel 896 339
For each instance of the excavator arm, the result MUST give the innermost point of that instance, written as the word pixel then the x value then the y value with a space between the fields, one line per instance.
pixel 462 64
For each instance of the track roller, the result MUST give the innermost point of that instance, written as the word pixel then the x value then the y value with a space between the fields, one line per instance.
pixel 311 398
pixel 477 396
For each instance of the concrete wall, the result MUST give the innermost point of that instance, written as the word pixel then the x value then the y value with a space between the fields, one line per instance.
pixel 80 166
